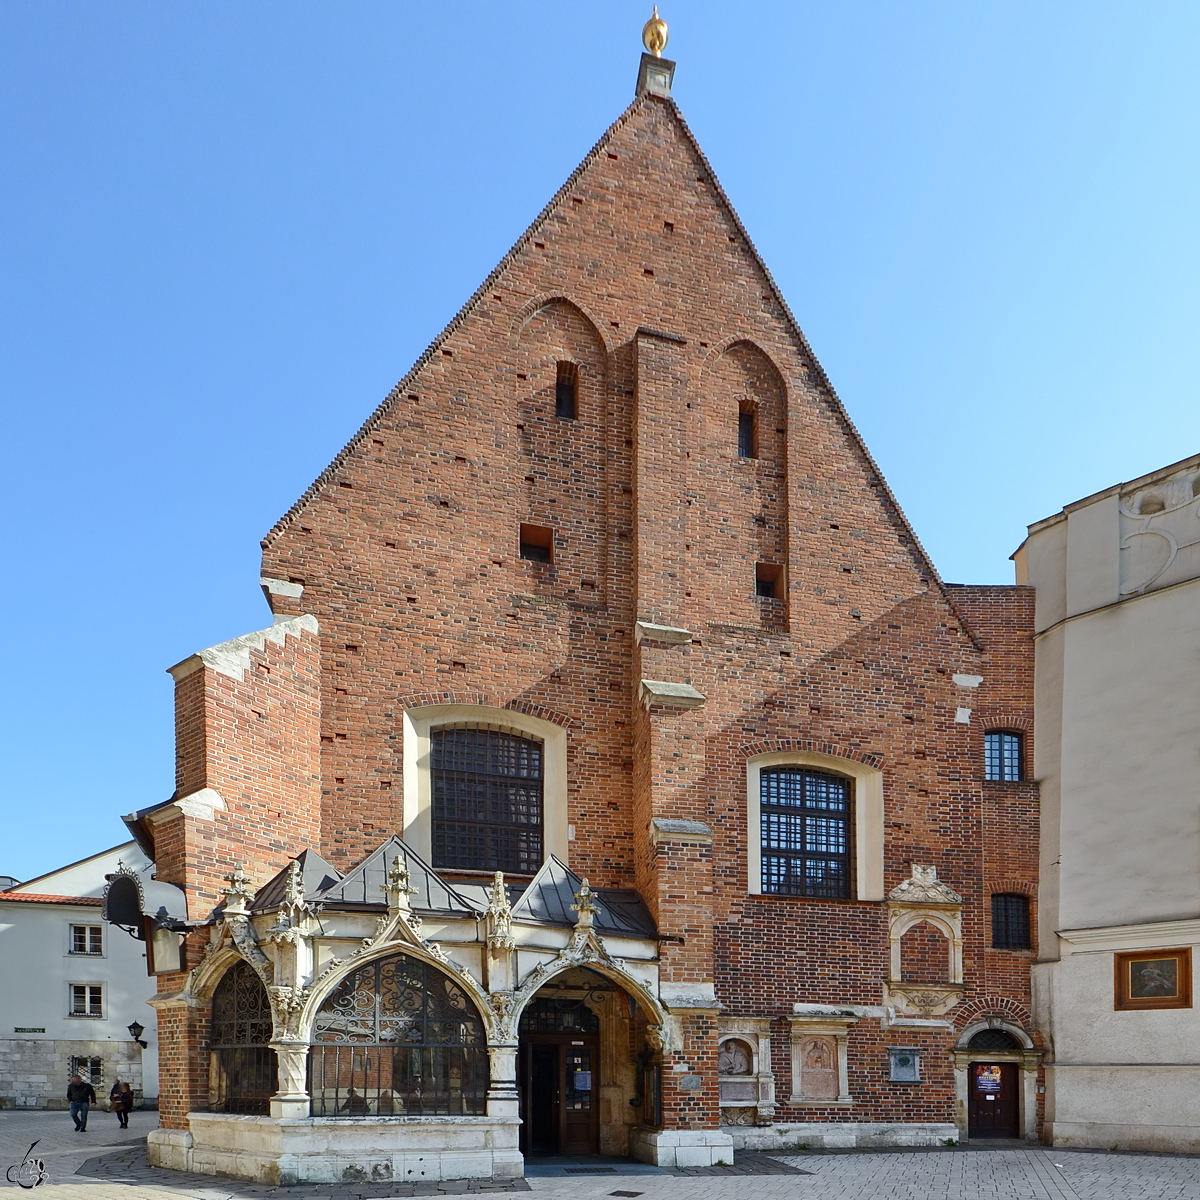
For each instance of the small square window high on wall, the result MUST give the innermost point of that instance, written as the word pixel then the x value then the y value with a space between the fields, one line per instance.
pixel 1002 755
pixel 536 543
pixel 1010 921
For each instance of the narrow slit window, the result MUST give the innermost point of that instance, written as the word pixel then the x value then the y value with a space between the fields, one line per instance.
pixel 1002 755
pixel 537 543
pixel 768 581
pixel 1010 921
pixel 747 431
pixel 566 391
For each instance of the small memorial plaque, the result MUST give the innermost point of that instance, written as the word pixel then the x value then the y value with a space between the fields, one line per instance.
pixel 27 1029
pixel 905 1066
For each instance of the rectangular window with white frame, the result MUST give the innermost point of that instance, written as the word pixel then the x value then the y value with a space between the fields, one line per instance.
pixel 87 940
pixel 815 827
pixel 85 999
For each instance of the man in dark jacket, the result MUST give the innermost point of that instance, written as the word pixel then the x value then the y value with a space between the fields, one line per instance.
pixel 81 1097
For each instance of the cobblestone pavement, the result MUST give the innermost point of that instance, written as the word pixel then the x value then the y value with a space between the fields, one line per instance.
pixel 109 1164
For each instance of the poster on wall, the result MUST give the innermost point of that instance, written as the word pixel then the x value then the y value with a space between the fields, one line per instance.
pixel 987 1078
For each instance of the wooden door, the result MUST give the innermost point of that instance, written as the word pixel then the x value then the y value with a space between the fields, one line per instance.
pixel 560 1094
pixel 993 1106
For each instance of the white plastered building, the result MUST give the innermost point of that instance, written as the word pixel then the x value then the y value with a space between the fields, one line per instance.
pixel 72 984
pixel 1118 751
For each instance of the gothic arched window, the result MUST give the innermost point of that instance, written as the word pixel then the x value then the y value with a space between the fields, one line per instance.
pixel 241 1064
pixel 398 1037
pixel 487 799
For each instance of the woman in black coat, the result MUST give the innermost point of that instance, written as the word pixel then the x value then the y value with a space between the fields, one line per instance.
pixel 120 1100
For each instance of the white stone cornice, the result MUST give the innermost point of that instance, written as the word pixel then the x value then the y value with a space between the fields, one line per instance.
pixel 232 658
pixel 670 695
pixel 1145 936
pixel 667 635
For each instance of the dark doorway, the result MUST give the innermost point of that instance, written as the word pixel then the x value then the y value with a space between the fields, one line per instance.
pixel 993 1107
pixel 560 1095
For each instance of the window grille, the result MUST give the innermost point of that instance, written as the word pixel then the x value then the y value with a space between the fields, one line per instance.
pixel 91 1070
pixel 806 833
pixel 398 1037
pixel 1010 921
pixel 550 1014
pixel 993 1039
pixel 242 1069
pixel 87 939
pixel 566 387
pixel 87 1000
pixel 487 800
pixel 746 431
pixel 1002 755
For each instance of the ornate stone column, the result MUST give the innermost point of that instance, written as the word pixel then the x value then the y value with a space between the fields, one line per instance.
pixel 292 1099
pixel 503 1099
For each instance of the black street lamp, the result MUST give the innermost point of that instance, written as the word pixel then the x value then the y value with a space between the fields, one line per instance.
pixel 136 1031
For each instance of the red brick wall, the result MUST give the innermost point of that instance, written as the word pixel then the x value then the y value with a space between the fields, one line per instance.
pixel 255 741
pixel 407 550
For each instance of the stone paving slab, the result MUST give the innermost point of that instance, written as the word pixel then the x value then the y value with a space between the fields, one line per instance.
pixel 107 1164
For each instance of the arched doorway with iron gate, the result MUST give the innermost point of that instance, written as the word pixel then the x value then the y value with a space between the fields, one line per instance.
pixel 242 1069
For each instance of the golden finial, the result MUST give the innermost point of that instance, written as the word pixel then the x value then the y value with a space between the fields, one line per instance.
pixel 654 34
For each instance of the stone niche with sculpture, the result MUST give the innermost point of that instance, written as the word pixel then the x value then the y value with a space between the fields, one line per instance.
pixel 746 1080
pixel 925 975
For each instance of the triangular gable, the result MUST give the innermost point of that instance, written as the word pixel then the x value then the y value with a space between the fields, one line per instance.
pixel 549 897
pixel 86 876
pixel 906 534
pixel 316 877
pixel 365 884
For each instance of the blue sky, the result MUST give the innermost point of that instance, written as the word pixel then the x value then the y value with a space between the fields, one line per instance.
pixel 229 228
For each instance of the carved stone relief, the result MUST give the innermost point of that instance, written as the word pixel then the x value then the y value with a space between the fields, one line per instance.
pixel 1160 533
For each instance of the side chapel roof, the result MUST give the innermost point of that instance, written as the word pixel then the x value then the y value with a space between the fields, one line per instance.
pixel 364 886
pixel 547 899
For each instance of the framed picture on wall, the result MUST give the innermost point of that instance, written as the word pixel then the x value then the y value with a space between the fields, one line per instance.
pixel 1154 979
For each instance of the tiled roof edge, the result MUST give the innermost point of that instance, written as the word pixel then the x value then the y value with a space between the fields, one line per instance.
pixel 454 323
pixel 45 898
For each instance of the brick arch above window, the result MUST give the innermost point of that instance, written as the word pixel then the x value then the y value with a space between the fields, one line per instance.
pixel 1020 887
pixel 539 304
pixel 812 746
pixel 1010 1011
pixel 487 700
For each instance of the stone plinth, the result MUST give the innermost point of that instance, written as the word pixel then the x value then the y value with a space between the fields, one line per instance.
pixel 341 1150
pixel 682 1147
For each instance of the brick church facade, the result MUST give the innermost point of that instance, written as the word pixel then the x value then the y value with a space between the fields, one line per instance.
pixel 609 597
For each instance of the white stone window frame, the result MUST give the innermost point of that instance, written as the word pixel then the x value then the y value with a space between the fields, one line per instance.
pixel 866 822
pixel 754 1032
pixel 418 726
pixel 89 1015
pixel 88 925
pixel 806 1025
